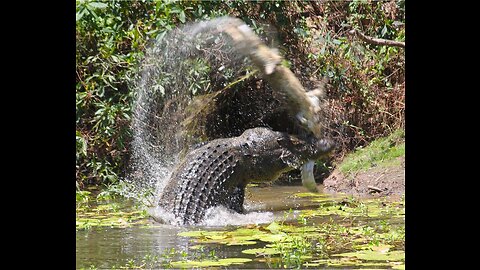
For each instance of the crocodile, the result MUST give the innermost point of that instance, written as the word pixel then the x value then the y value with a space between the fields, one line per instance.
pixel 217 172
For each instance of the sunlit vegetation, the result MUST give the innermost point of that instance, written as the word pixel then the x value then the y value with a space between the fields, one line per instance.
pixel 364 112
pixel 341 231
pixel 381 152
pixel 365 91
pixel 101 211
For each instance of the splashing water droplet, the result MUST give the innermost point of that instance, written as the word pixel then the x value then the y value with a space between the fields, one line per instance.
pixel 176 68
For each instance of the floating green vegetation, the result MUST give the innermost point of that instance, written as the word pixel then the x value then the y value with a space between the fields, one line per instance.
pixel 352 207
pixel 261 251
pixel 372 255
pixel 381 152
pixel 318 197
pixel 351 232
pixel 353 262
pixel 339 232
pixel 240 236
pixel 209 263
pixel 82 196
pixel 92 213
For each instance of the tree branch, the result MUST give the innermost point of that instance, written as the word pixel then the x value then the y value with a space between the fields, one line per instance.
pixel 376 41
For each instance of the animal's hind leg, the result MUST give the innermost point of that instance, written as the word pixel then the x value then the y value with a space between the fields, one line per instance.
pixel 235 200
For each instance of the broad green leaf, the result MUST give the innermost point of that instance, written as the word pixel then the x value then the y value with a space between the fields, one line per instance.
pixel 181 17
pixel 97 5
pixel 235 242
pixel 209 263
pixel 79 15
pixel 259 251
pixel 235 260
pixel 272 237
pixel 371 255
pixel 274 227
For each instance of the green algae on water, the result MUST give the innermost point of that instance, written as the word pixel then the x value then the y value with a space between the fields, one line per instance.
pixel 209 263
pixel 113 214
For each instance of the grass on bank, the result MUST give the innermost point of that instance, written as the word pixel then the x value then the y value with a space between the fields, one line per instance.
pixel 382 152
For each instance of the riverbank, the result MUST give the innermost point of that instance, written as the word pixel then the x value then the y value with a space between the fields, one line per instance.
pixel 375 170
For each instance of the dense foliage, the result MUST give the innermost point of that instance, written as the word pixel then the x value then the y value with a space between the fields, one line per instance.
pixel 365 94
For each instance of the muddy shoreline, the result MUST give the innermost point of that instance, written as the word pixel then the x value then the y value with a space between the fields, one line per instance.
pixel 374 182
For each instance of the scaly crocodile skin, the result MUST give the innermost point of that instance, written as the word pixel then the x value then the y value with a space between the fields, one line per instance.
pixel 217 172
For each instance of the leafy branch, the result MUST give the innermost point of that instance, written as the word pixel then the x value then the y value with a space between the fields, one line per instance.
pixel 376 41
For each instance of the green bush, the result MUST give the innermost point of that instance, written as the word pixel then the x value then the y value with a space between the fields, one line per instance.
pixel 366 83
pixel 111 37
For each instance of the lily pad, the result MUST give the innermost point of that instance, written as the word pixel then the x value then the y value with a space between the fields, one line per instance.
pixel 272 237
pixel 190 264
pixel 299 229
pixel 246 232
pixel 261 251
pixel 309 194
pixel 209 263
pixel 235 260
pixel 109 215
pixel 371 255
pixel 379 248
pixel 216 236
pixel 398 266
pixel 345 262
pixel 234 242
pixel 241 236
pixel 274 227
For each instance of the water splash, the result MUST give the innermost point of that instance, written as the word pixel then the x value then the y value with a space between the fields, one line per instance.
pixel 195 60
pixel 221 216
pixel 218 216
pixel 189 61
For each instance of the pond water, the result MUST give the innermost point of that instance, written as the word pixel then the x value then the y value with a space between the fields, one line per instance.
pixel 224 235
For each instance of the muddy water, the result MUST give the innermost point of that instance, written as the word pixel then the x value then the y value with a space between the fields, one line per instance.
pixel 109 247
pixel 149 244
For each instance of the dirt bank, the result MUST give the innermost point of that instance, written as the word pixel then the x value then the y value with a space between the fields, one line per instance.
pixel 376 181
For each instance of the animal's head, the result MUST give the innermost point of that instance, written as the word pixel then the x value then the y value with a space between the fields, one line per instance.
pixel 273 150
pixel 306 149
